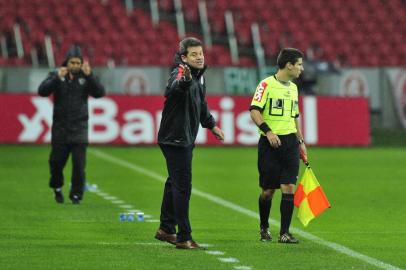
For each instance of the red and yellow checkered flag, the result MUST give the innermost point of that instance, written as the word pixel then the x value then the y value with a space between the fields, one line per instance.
pixel 310 198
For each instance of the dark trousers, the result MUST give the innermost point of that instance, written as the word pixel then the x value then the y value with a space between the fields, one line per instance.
pixel 178 187
pixel 57 161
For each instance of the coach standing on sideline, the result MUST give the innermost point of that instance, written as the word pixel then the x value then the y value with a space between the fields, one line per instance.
pixel 71 85
pixel 184 109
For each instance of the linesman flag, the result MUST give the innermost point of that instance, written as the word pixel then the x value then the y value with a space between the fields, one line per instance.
pixel 309 197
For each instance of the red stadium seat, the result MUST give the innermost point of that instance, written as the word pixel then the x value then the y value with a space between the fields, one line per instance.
pixel 109 31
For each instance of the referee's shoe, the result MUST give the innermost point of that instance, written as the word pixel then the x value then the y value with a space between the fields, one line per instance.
pixel 265 235
pixel 287 238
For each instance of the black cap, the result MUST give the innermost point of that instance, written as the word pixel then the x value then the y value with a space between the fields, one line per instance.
pixel 74 51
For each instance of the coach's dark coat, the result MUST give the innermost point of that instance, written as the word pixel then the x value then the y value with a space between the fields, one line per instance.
pixel 70 116
pixel 185 108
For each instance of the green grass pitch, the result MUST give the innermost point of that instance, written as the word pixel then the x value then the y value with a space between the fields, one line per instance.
pixel 364 229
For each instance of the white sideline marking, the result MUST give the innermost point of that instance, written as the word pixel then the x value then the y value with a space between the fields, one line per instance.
pixel 228 260
pixel 150 244
pixel 152 220
pixel 357 232
pixel 111 198
pixel 117 202
pixel 337 247
pixel 215 252
pixel 242 267
pixel 110 243
pixel 126 206
pixel 130 244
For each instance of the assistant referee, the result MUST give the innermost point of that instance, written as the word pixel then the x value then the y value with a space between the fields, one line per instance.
pixel 274 109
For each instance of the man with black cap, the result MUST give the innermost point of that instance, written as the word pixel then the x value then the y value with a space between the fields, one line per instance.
pixel 70 85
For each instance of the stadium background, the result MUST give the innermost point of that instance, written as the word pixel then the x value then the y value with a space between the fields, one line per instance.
pixel 349 51
pixel 353 94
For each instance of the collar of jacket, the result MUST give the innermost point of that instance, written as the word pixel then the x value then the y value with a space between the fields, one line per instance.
pixel 197 73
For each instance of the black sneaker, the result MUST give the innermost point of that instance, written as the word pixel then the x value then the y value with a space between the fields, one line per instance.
pixel 58 196
pixel 75 199
pixel 265 235
pixel 287 238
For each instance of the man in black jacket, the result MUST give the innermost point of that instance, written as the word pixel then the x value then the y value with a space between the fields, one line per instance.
pixel 70 85
pixel 184 109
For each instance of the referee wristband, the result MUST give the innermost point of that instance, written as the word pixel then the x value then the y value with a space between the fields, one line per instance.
pixel 301 141
pixel 264 127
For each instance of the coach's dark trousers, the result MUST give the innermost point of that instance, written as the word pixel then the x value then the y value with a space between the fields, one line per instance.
pixel 57 161
pixel 178 187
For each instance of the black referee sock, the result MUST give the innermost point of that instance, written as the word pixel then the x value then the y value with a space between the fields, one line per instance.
pixel 286 212
pixel 264 209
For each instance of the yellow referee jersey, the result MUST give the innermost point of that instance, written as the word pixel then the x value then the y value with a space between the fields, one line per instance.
pixel 279 105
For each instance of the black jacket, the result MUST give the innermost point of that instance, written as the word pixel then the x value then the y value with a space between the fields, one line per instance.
pixel 184 109
pixel 70 116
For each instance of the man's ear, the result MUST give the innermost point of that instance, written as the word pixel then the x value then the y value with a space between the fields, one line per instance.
pixel 183 58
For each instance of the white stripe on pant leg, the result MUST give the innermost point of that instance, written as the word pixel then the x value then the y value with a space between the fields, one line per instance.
pixel 336 247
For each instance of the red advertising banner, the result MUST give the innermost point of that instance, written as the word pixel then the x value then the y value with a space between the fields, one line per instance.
pixel 135 120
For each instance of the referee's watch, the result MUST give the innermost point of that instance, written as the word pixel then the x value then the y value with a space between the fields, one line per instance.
pixel 301 141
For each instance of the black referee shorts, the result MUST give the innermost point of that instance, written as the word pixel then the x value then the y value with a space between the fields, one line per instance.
pixel 280 165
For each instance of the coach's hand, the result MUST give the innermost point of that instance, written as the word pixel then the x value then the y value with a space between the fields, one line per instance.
pixel 186 72
pixel 87 70
pixel 218 133
pixel 62 72
pixel 273 139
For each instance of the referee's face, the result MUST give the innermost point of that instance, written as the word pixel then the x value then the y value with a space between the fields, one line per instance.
pixel 296 69
pixel 194 57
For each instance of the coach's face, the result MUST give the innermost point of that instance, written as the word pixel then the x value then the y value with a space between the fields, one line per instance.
pixel 194 57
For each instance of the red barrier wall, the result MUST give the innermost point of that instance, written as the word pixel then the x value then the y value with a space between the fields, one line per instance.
pixel 135 120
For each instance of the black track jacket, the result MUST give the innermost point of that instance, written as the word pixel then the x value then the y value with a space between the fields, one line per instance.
pixel 184 109
pixel 70 116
